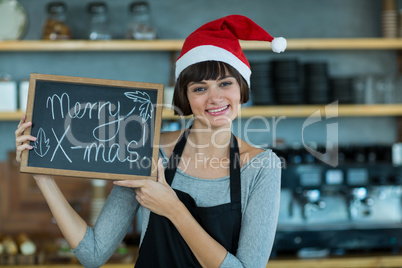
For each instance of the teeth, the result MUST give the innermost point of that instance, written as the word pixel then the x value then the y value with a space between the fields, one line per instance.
pixel 218 110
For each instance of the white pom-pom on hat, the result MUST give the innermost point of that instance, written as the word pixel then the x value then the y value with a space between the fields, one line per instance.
pixel 279 44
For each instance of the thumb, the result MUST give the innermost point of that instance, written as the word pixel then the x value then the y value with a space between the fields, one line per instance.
pixel 161 172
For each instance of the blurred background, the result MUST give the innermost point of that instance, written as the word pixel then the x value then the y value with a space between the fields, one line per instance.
pixel 352 207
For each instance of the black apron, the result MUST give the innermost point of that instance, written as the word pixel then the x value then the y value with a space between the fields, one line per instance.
pixel 163 246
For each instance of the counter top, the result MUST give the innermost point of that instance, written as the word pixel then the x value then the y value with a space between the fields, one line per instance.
pixel 368 261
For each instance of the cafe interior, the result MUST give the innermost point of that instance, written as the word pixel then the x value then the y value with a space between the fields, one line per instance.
pixel 330 107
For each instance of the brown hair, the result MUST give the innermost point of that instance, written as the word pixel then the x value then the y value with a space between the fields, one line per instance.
pixel 206 70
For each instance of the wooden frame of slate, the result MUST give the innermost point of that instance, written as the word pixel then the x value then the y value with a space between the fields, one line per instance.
pixel 93 128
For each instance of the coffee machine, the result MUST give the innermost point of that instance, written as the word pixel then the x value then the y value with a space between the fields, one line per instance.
pixel 355 206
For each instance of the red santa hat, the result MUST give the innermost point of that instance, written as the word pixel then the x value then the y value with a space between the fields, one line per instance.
pixel 218 40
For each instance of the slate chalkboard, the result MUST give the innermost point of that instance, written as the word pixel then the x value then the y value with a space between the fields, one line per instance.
pixel 93 128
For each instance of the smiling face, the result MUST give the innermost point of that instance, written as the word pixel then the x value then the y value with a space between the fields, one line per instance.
pixel 215 102
pixel 210 90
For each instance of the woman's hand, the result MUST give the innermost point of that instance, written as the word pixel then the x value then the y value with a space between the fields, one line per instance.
pixel 21 144
pixel 21 140
pixel 157 196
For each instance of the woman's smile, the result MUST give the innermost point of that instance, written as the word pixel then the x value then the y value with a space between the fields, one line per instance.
pixel 218 110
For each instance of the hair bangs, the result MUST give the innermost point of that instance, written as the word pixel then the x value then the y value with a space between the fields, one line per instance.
pixel 207 70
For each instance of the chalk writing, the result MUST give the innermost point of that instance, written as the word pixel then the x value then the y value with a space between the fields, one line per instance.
pixel 61 106
pixel 59 144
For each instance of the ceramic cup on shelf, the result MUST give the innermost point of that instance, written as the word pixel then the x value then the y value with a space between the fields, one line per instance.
pixel 23 95
pixel 8 91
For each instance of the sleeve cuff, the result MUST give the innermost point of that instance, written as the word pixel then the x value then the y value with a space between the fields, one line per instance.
pixel 230 261
pixel 81 245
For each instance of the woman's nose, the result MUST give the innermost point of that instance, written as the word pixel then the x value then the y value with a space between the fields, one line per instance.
pixel 215 95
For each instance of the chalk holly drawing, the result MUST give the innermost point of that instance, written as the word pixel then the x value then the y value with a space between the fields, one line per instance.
pixel 146 108
pixel 41 145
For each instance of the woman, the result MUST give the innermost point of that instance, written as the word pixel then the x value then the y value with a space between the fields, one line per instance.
pixel 216 204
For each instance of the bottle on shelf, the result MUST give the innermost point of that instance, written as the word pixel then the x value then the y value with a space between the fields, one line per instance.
pixel 389 19
pixel 55 27
pixel 98 21
pixel 140 26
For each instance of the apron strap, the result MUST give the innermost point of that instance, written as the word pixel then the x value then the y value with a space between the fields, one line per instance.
pixel 235 182
pixel 175 156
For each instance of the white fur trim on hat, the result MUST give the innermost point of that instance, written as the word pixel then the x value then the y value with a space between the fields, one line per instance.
pixel 207 53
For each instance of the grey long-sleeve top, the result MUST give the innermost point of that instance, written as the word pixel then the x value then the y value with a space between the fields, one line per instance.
pixel 260 189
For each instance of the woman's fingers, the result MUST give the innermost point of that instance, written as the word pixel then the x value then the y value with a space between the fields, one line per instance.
pixel 23 147
pixel 131 183
pixel 21 128
pixel 19 137
pixel 161 172
pixel 20 149
pixel 22 120
pixel 21 140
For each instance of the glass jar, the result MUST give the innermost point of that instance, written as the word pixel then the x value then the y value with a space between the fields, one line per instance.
pixel 98 21
pixel 140 26
pixel 55 27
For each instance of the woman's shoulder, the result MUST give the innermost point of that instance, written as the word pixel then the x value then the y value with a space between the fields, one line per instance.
pixel 257 157
pixel 247 151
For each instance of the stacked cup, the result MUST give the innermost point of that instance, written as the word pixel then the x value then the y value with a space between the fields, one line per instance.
pixel 389 19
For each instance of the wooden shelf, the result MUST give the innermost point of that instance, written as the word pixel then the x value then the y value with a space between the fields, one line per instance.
pixel 309 110
pixel 344 110
pixel 86 45
pixel 176 44
pixel 11 116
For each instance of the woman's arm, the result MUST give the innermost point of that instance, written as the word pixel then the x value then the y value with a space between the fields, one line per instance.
pixel 160 198
pixel 92 246
pixel 69 221
pixel 72 226
pixel 260 217
pixel 113 222
pixel 207 250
